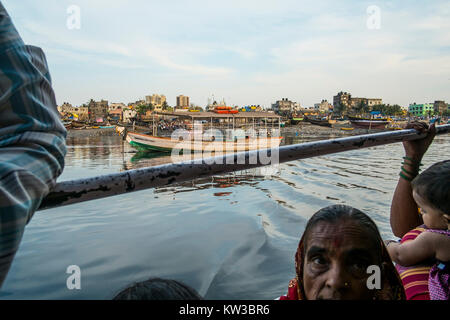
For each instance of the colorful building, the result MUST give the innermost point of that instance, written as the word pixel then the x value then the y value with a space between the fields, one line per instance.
pixel 421 110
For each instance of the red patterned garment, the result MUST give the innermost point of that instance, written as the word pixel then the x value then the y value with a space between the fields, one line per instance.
pixel 415 278
pixel 292 291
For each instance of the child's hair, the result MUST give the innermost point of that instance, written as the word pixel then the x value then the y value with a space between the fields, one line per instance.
pixel 158 289
pixel 434 186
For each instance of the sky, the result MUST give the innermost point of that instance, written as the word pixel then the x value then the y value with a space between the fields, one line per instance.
pixel 247 51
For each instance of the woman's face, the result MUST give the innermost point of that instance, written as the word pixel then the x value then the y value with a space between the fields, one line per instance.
pixel 336 259
pixel 432 218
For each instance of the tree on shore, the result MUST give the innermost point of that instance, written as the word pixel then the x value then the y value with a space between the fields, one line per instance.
pixel 361 108
pixel 143 108
pixel 388 110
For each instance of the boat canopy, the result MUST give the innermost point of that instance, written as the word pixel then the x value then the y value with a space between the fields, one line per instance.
pixel 209 115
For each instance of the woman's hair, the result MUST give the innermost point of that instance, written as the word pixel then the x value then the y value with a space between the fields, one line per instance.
pixel 335 213
pixel 158 289
pixel 433 185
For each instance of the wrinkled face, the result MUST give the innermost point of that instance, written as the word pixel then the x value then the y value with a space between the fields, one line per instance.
pixel 336 259
pixel 433 218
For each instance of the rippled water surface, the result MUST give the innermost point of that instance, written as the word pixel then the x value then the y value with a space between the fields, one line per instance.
pixel 229 237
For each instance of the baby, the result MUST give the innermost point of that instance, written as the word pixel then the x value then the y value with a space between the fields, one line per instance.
pixel 431 192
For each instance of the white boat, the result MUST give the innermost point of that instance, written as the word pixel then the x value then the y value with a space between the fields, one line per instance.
pixel 151 143
pixel 237 132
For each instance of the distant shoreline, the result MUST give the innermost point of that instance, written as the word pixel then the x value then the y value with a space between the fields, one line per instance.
pixel 299 130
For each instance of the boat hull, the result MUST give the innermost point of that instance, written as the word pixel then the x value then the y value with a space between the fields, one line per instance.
pixel 322 123
pixel 151 143
pixel 369 124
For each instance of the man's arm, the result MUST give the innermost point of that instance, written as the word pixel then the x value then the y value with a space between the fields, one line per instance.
pixel 32 137
pixel 404 212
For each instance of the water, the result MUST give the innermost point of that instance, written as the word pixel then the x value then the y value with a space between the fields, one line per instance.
pixel 231 237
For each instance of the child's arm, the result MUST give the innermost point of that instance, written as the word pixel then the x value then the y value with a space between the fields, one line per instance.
pixel 415 251
pixel 443 248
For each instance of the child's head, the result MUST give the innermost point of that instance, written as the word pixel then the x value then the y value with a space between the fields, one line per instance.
pixel 431 191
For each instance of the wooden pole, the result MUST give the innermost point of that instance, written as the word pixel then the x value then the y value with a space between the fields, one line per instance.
pixel 70 192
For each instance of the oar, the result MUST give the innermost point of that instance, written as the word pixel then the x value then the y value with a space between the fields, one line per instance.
pixel 70 192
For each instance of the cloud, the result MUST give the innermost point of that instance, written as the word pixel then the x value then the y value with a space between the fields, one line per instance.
pixel 251 51
pixel 123 51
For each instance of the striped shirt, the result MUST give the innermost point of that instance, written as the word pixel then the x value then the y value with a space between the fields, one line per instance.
pixel 415 278
pixel 32 137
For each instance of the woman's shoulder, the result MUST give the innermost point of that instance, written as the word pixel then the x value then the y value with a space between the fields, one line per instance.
pixel 441 243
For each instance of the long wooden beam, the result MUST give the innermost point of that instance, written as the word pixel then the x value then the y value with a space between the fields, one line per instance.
pixel 75 191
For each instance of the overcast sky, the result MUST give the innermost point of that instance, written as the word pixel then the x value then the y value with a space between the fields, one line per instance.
pixel 248 52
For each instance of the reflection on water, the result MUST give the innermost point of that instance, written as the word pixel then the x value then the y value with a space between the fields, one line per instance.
pixel 230 237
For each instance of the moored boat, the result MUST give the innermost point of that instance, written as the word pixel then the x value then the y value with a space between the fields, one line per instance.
pixel 369 124
pixel 323 123
pixel 295 120
pixel 67 124
pixel 78 124
pixel 152 143
pixel 211 132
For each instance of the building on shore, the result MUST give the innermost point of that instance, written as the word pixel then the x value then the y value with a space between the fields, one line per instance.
pixel 64 107
pixel 440 107
pixel 98 110
pixel 370 102
pixel 128 115
pixel 116 106
pixel 115 115
pixel 182 101
pixel 134 105
pixel 324 106
pixel 285 106
pixel 344 102
pixel 156 100
pixel 76 113
pixel 421 110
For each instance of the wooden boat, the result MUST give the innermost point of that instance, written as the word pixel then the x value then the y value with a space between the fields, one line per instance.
pixel 369 124
pixel 78 124
pixel 147 142
pixel 323 123
pixel 368 119
pixel 295 121
pixel 67 124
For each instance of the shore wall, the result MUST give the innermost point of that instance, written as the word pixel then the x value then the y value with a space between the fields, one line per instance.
pixel 82 133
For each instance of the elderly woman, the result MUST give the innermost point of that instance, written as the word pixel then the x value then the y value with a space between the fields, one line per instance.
pixel 337 248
